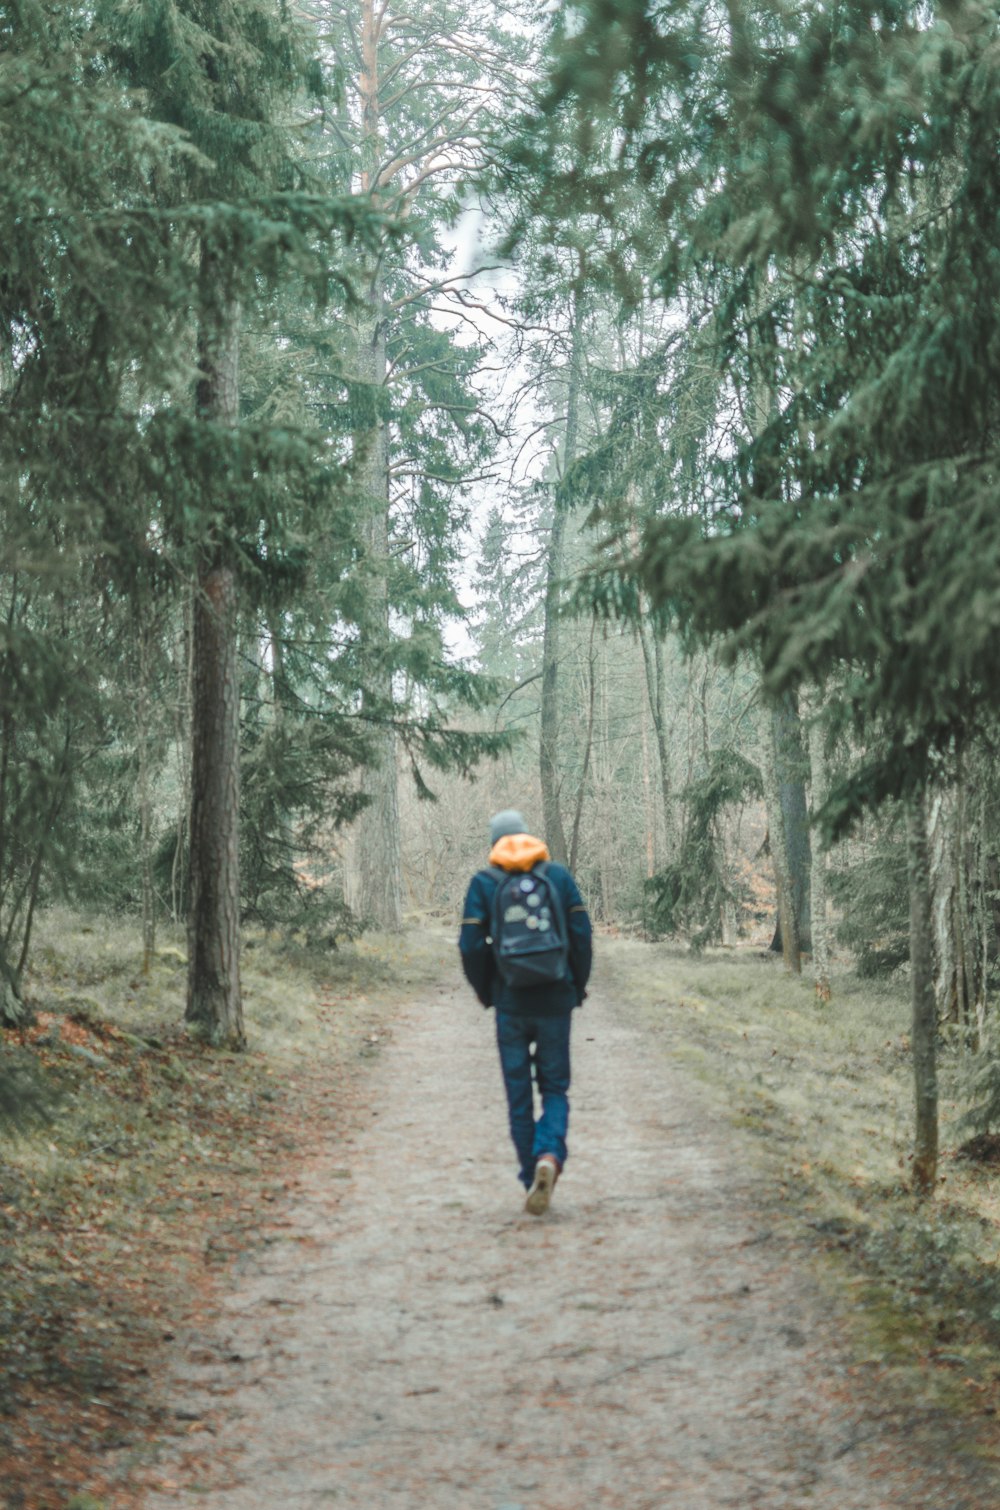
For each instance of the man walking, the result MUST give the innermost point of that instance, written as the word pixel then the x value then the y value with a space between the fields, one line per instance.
pixel 526 951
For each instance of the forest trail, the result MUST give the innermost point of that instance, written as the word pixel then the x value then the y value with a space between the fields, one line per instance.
pixel 406 1336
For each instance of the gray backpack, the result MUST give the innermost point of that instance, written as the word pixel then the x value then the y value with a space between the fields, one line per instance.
pixel 528 926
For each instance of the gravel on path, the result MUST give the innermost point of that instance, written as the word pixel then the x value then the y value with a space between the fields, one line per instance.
pixel 405 1336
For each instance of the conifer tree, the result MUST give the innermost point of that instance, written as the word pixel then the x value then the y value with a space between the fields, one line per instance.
pixel 90 302
pixel 225 74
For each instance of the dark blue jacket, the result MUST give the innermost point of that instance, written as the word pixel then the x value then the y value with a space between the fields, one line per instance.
pixel 477 949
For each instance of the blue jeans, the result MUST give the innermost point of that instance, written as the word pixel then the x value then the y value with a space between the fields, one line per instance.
pixel 517 1035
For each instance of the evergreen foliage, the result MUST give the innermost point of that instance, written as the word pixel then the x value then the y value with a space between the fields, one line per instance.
pixel 689 897
pixel 832 182
pixel 88 320
pixel 871 901
pixel 161 179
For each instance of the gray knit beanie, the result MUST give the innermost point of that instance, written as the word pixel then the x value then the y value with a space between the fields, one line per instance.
pixel 509 821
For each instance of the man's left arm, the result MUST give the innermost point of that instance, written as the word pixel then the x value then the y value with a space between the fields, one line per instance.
pixel 580 936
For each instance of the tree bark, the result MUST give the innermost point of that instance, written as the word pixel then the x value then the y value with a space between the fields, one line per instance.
pixel 982 919
pixel 605 835
pixel 180 870
pixel 787 815
pixel 820 926
pixel 379 845
pixel 925 1025
pixel 779 848
pixel 549 764
pixel 666 782
pixel 13 1012
pixel 548 742
pixel 966 985
pixel 588 748
pixel 790 765
pixel 145 801
pixel 942 847
pixel 281 698
pixel 962 927
pixel 214 1001
pixel 28 895
pixel 378 841
pixel 652 659
pixel 648 813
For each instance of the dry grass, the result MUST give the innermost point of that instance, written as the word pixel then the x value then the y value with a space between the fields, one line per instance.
pixel 835 1078
pixel 827 1092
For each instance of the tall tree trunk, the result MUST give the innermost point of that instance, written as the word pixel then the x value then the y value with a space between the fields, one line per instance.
pixel 663 744
pixel 787 815
pixel 379 845
pixel 548 741
pixel 942 852
pixel 588 747
pixel 378 842
pixel 12 1009
pixel 281 697
pixel 652 659
pixel 961 928
pixel 779 846
pixel 180 877
pixel 982 918
pixel 214 1002
pixel 965 922
pixel 791 764
pixel 145 802
pixel 959 917
pixel 648 812
pixel 820 926
pixel 729 918
pixel 605 835
pixel 61 791
pixel 925 1025
pixel 549 763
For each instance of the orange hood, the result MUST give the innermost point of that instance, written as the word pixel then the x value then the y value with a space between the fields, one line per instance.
pixel 518 852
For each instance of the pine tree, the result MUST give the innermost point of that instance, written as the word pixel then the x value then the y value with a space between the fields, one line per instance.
pixel 89 307
pixel 224 73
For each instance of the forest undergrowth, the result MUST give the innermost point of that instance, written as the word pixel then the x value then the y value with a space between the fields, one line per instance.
pixel 826 1093
pixel 151 1169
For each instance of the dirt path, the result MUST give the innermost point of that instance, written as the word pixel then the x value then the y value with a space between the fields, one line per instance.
pixel 407 1337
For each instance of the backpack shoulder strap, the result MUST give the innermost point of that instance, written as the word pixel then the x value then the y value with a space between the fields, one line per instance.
pixel 497 875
